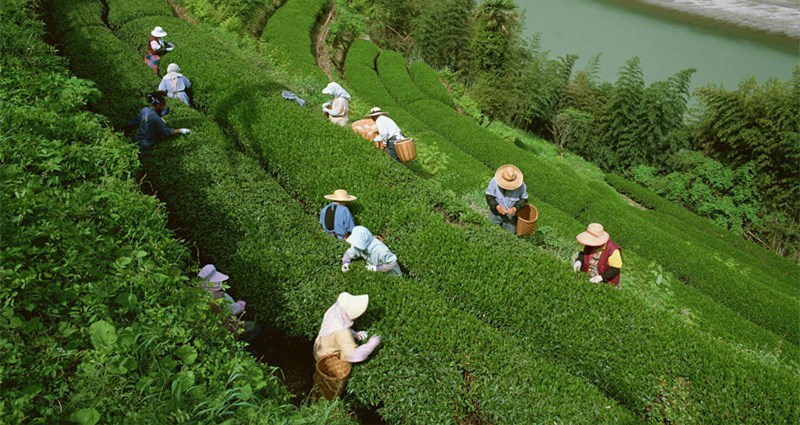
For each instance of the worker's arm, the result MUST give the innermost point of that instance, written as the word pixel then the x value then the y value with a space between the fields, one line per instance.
pixel 351 351
pixel 493 204
pixel 521 203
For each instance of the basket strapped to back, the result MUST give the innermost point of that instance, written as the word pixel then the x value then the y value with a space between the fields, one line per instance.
pixel 526 220
pixel 406 150
pixel 330 377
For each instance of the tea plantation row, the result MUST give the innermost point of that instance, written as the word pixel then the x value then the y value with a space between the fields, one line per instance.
pixel 715 318
pixel 470 281
pixel 100 322
pixel 231 221
pixel 754 298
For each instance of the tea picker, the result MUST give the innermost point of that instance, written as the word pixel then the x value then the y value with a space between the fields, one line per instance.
pixel 388 131
pixel 364 245
pixel 337 109
pixel 600 257
pixel 176 85
pixel 335 218
pixel 506 195
pixel 156 48
pixel 335 347
pixel 151 125
pixel 212 282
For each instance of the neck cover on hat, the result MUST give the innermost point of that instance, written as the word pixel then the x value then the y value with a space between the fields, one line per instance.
pixel 335 90
pixel 335 319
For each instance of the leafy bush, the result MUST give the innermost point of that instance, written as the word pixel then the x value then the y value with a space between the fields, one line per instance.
pixel 428 81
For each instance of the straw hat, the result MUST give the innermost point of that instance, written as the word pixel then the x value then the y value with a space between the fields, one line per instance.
pixel 158 32
pixel 375 112
pixel 508 177
pixel 340 195
pixel 353 305
pixel 593 236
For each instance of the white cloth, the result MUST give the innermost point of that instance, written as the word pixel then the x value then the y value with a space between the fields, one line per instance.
pixel 335 319
pixel 387 129
pixel 335 90
pixel 175 84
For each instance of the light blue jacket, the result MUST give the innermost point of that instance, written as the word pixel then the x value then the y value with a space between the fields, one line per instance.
pixel 364 245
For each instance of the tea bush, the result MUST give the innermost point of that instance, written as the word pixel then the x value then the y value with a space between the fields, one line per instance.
pixel 633 354
pixel 288 38
pixel 427 80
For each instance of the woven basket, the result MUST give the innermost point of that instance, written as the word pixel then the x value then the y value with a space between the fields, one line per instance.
pixel 526 220
pixel 366 128
pixel 330 377
pixel 406 150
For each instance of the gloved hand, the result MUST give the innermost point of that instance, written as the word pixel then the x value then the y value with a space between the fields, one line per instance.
pixel 576 265
pixel 184 130
pixel 596 279
pixel 361 335
pixel 241 303
pixel 374 340
pixel 372 268
pixel 345 267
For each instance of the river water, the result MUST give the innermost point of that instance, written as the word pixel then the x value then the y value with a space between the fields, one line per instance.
pixel 671 35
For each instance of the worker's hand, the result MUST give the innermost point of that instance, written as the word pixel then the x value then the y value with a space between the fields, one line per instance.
pixel 374 340
pixel 345 267
pixel 511 211
pixel 501 210
pixel 576 265
pixel 241 303
pixel 184 131
pixel 372 268
pixel 361 335
pixel 596 279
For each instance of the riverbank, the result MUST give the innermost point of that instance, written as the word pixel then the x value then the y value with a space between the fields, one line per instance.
pixel 780 18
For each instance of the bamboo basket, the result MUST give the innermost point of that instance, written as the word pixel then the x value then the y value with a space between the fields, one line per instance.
pixel 526 220
pixel 406 150
pixel 330 377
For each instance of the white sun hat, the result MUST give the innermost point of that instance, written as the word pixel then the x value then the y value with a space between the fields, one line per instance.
pixel 158 32
pixel 353 305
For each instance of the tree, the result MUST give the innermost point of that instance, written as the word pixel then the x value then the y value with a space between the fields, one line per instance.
pixel 568 124
pixel 442 33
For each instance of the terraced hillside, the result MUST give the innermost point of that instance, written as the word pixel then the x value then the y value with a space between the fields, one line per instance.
pixel 484 326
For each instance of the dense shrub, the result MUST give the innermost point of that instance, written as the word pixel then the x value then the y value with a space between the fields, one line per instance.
pixel 428 81
pixel 287 35
pixel 100 322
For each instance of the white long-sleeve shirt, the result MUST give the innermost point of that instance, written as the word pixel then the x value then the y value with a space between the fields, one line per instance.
pixel 387 129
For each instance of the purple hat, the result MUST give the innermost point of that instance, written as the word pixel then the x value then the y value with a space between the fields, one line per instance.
pixel 210 274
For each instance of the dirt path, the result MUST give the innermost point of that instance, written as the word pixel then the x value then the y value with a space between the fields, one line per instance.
pixel 321 50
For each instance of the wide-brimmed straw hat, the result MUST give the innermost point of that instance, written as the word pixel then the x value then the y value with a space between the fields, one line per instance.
pixel 508 177
pixel 593 236
pixel 353 305
pixel 375 112
pixel 158 32
pixel 340 195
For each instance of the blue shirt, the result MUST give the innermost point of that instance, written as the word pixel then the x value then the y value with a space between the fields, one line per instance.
pixel 343 222
pixel 506 198
pixel 151 129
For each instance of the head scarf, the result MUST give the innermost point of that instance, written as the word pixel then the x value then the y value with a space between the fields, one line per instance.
pixel 360 238
pixel 335 90
pixel 335 319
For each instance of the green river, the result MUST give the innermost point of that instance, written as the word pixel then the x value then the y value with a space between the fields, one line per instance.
pixel 665 41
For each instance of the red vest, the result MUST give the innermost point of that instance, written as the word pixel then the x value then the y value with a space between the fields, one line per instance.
pixel 150 50
pixel 602 263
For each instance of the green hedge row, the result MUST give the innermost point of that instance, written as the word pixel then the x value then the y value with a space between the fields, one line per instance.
pixel 722 239
pixel 393 71
pixel 427 80
pixel 425 371
pixel 288 39
pixel 100 322
pixel 122 12
pixel 391 67
pixel 713 317
pixel 559 306
pixel 471 175
pixel 225 228
pixel 565 191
